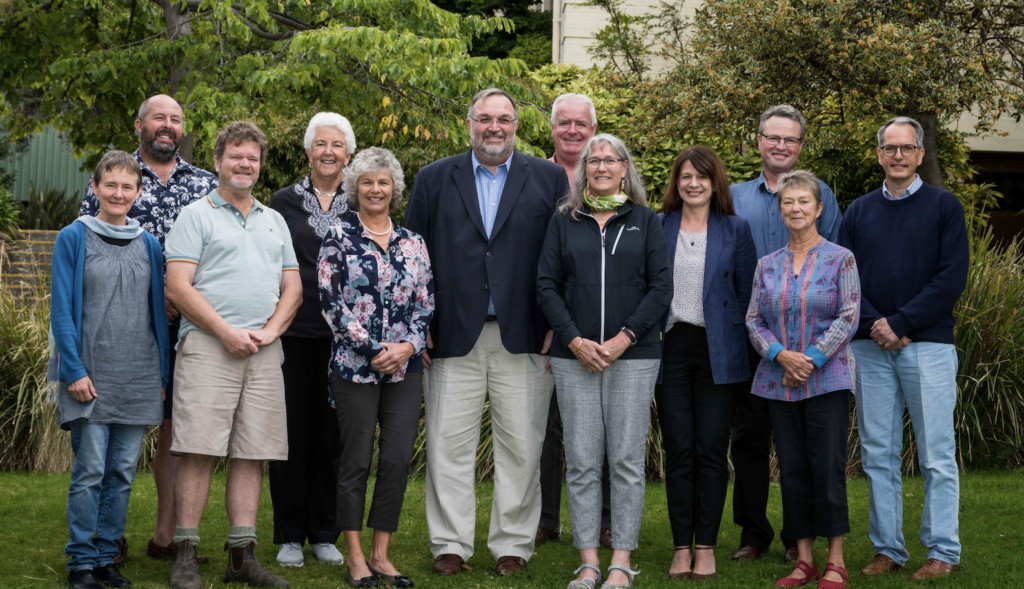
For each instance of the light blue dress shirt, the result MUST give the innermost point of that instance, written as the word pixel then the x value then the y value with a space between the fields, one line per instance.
pixel 488 193
pixel 760 207
pixel 910 189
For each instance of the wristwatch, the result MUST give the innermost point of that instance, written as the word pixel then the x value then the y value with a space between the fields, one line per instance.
pixel 629 334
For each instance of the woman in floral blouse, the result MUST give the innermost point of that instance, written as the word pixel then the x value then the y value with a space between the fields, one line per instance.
pixel 377 294
pixel 804 310
pixel 303 487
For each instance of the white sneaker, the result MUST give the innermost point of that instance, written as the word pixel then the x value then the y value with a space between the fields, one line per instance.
pixel 290 555
pixel 327 553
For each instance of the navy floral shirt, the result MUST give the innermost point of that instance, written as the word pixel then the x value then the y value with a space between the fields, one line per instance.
pixel 158 206
pixel 369 296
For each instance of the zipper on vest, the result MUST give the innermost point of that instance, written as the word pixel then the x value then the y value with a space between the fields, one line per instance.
pixel 601 229
pixel 617 238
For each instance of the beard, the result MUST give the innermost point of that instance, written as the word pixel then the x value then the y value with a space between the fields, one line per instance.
pixel 155 149
pixel 494 152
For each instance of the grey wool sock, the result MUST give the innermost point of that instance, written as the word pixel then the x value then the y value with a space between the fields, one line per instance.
pixel 190 534
pixel 240 536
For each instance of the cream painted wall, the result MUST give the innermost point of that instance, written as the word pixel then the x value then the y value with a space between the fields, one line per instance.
pixel 574 27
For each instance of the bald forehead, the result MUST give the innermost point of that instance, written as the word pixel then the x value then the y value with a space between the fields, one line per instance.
pixel 161 103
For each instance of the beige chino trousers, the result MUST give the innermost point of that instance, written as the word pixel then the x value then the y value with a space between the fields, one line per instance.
pixel 519 388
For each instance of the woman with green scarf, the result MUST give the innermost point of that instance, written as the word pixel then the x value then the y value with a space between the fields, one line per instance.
pixel 604 281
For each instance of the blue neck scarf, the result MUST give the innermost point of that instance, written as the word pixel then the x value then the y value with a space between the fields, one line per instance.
pixel 131 230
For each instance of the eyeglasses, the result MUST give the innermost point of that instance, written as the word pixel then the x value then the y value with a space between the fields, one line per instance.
pixel 608 161
pixel 774 140
pixel 486 121
pixel 908 149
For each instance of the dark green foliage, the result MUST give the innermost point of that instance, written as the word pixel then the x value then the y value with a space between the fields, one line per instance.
pixel 49 209
pixel 9 213
pixel 531 39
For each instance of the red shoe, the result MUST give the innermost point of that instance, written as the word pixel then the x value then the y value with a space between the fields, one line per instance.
pixel 811 574
pixel 826 584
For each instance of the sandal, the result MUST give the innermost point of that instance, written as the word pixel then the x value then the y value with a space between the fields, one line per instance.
pixel 810 574
pixel 697 577
pixel 624 570
pixel 585 583
pixel 827 584
pixel 684 575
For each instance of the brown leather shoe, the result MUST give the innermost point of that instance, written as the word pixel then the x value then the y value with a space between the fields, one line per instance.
pixel 154 550
pixel 747 553
pixel 792 556
pixel 606 538
pixel 448 564
pixel 544 536
pixel 880 565
pixel 185 571
pixel 244 568
pixel 508 565
pixel 122 552
pixel 934 568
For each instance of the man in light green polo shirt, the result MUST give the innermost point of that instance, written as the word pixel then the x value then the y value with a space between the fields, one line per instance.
pixel 232 273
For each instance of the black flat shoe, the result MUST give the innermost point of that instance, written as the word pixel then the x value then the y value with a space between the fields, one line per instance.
pixel 82 580
pixel 394 580
pixel 370 581
pixel 110 576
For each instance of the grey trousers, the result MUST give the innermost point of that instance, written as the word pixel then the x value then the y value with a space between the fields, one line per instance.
pixel 603 413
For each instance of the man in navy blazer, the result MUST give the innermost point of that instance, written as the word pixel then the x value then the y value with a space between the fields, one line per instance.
pixel 483 215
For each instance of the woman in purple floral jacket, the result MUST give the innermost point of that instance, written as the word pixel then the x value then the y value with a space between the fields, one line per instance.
pixel 377 294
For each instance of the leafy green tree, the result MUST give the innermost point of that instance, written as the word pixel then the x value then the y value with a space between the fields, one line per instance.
pixel 844 62
pixel 529 41
pixel 400 70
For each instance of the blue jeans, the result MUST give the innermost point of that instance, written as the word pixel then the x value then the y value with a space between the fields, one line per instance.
pixel 922 378
pixel 106 457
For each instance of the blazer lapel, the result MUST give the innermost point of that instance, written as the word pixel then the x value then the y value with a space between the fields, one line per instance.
pixel 670 224
pixel 465 181
pixel 714 249
pixel 518 173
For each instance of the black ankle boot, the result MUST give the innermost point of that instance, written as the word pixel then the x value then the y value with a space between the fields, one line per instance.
pixel 110 576
pixel 82 580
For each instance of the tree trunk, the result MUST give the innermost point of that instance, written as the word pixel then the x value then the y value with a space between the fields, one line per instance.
pixel 930 169
pixel 176 17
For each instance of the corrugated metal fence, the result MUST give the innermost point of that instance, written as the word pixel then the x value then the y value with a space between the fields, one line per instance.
pixel 48 162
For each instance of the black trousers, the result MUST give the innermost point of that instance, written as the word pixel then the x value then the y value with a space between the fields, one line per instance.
pixel 751 448
pixel 360 408
pixel 302 487
pixel 811 437
pixel 552 471
pixel 695 416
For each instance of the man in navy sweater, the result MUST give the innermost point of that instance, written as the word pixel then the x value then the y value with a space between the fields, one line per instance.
pixel 910 240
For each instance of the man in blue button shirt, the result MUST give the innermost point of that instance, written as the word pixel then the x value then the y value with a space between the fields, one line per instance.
pixel 780 137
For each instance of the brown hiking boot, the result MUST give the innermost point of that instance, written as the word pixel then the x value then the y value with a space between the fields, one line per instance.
pixel 185 570
pixel 244 568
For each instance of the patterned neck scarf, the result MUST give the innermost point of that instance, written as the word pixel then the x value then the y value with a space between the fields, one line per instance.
pixel 603 203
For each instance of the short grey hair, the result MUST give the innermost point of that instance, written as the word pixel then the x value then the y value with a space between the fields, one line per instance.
pixel 799 179
pixel 370 161
pixel 784 111
pixel 918 130
pixel 487 94
pixel 117 160
pixel 572 97
pixel 634 185
pixel 330 119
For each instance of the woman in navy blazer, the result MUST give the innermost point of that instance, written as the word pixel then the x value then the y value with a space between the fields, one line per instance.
pixel 704 357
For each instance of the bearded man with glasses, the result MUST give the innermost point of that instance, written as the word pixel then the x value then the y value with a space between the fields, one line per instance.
pixel 780 137
pixel 483 215
pixel 910 241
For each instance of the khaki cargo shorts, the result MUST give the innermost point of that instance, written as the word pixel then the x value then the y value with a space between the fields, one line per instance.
pixel 225 406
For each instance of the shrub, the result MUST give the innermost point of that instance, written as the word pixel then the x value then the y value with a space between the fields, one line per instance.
pixel 49 209
pixel 9 212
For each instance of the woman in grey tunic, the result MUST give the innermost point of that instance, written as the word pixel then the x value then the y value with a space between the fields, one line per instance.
pixel 106 316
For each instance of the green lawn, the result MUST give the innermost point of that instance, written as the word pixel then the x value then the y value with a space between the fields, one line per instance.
pixel 33 529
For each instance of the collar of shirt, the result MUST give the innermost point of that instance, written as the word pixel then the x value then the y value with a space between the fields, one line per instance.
pixel 477 165
pixel 180 165
pixel 217 201
pixel 910 189
pixel 762 184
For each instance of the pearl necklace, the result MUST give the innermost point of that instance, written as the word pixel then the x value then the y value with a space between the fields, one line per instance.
pixel 323 194
pixel 391 226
